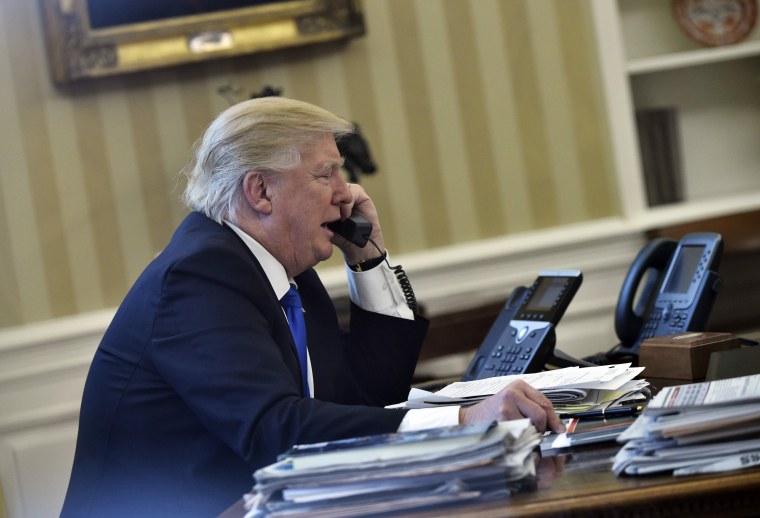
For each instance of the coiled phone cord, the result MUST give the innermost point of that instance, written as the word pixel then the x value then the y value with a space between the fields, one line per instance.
pixel 403 280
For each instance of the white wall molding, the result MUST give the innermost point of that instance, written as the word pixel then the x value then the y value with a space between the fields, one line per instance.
pixel 483 272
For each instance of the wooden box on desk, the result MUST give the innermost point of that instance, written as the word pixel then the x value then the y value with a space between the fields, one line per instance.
pixel 684 355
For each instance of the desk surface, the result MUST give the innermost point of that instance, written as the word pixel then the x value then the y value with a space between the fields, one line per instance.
pixel 581 483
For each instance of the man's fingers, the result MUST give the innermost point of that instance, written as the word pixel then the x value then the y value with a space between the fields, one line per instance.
pixel 534 405
pixel 516 401
pixel 536 413
pixel 553 422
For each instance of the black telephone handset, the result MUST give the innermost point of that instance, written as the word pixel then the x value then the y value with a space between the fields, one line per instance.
pixel 680 286
pixel 522 338
pixel 356 228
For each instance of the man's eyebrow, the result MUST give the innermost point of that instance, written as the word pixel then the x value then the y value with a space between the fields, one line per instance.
pixel 328 166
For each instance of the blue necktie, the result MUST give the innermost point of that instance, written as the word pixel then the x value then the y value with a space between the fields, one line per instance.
pixel 291 302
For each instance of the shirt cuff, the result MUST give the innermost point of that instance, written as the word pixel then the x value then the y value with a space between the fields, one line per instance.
pixel 423 418
pixel 379 291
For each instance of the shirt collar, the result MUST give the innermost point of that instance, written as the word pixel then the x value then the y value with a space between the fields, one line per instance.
pixel 274 271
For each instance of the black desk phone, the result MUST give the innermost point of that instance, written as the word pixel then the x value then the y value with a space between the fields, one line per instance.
pixel 677 294
pixel 522 338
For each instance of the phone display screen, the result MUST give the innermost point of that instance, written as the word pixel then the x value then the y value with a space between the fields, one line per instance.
pixel 547 293
pixel 684 269
pixel 548 297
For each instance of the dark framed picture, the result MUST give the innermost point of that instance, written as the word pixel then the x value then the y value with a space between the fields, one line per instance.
pixel 97 38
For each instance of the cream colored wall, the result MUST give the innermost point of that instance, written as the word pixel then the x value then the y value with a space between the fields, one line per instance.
pixel 485 117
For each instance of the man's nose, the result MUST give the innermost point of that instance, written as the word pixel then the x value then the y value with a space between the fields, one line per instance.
pixel 341 192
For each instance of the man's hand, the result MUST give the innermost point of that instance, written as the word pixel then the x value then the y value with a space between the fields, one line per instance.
pixel 516 401
pixel 363 205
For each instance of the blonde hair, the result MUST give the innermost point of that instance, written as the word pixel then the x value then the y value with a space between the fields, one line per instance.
pixel 266 134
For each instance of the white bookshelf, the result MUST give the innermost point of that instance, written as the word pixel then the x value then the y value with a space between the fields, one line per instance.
pixel 647 61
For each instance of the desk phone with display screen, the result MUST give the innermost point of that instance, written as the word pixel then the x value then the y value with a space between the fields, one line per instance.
pixel 676 284
pixel 522 338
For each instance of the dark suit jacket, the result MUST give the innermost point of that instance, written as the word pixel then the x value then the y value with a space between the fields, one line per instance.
pixel 196 382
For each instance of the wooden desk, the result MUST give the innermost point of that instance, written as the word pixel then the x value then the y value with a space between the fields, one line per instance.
pixel 581 483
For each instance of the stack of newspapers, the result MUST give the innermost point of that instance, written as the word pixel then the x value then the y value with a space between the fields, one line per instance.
pixel 397 472
pixel 696 428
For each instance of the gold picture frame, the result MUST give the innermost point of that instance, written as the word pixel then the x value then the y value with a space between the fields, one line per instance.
pixel 78 50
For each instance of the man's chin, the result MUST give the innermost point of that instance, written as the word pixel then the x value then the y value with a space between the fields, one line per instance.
pixel 326 253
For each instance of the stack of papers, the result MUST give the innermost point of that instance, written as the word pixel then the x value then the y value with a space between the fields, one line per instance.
pixel 697 428
pixel 398 472
pixel 571 390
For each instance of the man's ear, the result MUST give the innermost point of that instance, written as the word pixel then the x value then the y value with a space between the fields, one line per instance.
pixel 255 192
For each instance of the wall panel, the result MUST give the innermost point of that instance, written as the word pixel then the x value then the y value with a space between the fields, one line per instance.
pixel 483 115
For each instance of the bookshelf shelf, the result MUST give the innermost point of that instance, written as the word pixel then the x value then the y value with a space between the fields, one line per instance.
pixel 692 58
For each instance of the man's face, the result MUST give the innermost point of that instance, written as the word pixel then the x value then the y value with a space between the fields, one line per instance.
pixel 304 200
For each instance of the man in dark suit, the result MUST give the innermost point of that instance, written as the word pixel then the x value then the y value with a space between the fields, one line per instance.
pixel 197 381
